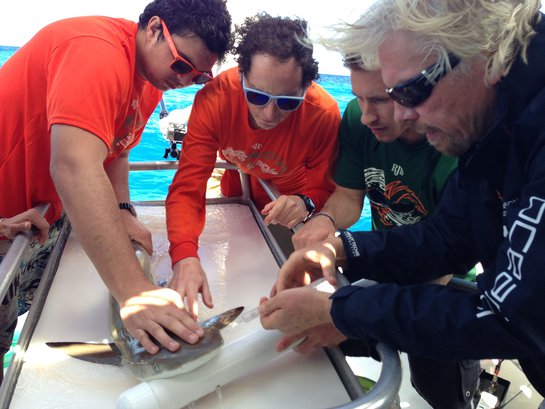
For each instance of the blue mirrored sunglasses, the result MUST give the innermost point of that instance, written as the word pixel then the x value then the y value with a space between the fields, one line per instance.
pixel 261 99
pixel 416 90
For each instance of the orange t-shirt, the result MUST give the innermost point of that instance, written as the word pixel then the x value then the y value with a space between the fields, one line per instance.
pixel 296 156
pixel 79 72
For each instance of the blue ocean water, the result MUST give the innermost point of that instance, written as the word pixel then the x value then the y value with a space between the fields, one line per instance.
pixel 153 185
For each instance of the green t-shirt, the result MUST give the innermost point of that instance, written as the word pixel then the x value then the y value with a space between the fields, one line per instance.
pixel 403 182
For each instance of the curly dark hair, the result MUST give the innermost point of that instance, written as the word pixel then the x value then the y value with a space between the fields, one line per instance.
pixel 279 37
pixel 208 19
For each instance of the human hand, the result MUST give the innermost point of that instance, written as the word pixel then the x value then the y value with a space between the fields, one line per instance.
pixel 189 279
pixel 10 226
pixel 137 231
pixel 287 210
pixel 153 312
pixel 295 310
pixel 325 335
pixel 308 264
pixel 315 230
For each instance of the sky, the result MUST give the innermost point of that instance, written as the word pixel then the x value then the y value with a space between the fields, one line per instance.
pixel 22 19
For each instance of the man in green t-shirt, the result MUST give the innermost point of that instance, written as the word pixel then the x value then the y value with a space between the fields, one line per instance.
pixel 403 176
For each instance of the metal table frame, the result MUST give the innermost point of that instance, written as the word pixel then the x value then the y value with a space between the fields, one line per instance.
pixel 382 395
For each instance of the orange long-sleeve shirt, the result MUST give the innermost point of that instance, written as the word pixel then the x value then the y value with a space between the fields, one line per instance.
pixel 296 156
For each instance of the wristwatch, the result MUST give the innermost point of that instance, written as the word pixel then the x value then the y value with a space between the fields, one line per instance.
pixel 128 206
pixel 309 204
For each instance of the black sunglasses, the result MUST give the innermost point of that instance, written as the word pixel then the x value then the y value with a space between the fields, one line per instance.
pixel 260 98
pixel 416 90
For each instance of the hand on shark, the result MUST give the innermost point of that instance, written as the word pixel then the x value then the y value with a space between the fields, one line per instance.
pixel 189 279
pixel 154 311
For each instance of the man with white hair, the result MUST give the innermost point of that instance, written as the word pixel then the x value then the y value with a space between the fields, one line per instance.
pixel 470 75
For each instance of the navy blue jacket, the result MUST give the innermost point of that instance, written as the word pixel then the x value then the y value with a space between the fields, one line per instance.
pixel 492 211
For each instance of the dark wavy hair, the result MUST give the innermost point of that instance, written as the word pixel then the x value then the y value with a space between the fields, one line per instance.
pixel 208 19
pixel 279 37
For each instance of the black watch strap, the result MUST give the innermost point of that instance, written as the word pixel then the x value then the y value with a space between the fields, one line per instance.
pixel 309 204
pixel 127 206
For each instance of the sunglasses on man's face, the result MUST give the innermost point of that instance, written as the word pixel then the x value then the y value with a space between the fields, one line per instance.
pixel 181 65
pixel 416 90
pixel 261 99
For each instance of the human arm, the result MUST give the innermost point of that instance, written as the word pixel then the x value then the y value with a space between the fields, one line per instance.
pixel 189 279
pixel 186 206
pixel 118 173
pixel 286 210
pixel 324 335
pixel 311 263
pixel 295 310
pixel 24 221
pixel 343 206
pixel 77 170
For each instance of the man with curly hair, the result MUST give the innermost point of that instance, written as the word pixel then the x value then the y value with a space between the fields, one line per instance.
pixel 268 117
pixel 468 74
pixel 75 100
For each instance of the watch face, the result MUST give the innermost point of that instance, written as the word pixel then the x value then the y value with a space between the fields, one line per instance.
pixel 311 204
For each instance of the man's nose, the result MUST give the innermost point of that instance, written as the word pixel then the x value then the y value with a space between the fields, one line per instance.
pixel 271 111
pixel 185 79
pixel 403 114
pixel 368 116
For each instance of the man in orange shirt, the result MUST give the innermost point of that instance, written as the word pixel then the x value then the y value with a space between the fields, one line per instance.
pixel 269 118
pixel 75 100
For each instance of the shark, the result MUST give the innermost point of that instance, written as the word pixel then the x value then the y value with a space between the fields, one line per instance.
pixel 125 350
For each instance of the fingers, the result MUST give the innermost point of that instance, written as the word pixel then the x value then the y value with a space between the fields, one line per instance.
pixel 271 210
pixel 207 296
pixel 267 308
pixel 138 232
pixel 24 222
pixel 155 315
pixel 324 256
pixel 274 291
pixel 147 244
pixel 286 210
pixel 41 225
pixel 290 340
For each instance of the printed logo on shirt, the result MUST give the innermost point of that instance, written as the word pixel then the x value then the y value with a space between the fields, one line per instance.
pixel 521 235
pixel 132 125
pixel 397 170
pixel 395 203
pixel 268 162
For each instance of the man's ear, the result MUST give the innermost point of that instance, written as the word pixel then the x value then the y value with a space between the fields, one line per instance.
pixel 492 79
pixel 153 28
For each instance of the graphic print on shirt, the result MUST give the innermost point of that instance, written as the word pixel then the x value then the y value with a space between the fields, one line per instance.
pixel 395 203
pixel 132 125
pixel 269 162
pixel 521 235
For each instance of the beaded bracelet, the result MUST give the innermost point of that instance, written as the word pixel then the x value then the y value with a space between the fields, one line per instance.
pixel 325 215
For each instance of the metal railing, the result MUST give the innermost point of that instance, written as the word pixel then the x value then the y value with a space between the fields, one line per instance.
pixel 385 391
